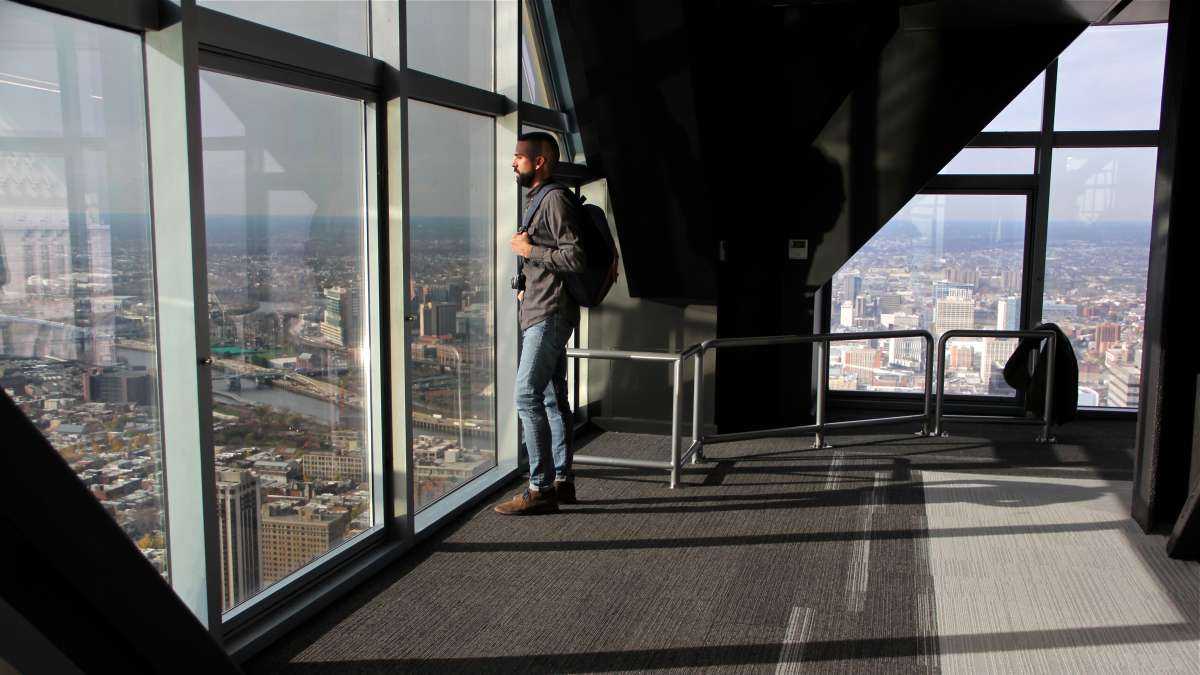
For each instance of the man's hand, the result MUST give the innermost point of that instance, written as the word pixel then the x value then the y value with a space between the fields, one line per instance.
pixel 520 244
pixel 520 296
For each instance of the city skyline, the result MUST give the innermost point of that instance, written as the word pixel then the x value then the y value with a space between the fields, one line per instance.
pixel 1095 282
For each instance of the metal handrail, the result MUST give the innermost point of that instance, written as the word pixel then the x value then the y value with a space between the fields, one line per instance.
pixel 676 361
pixel 1003 334
pixel 695 450
pixel 822 341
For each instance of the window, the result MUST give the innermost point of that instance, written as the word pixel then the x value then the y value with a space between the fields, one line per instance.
pixel 453 363
pixel 78 331
pixel 308 168
pixel 535 78
pixel 1100 91
pixel 1097 257
pixel 285 223
pixel 1024 113
pixel 991 161
pixel 341 23
pixel 452 39
pixel 1097 230
pixel 944 262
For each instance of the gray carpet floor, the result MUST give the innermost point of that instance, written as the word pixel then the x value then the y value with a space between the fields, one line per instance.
pixel 773 557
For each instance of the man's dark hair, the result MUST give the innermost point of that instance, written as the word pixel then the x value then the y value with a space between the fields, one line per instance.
pixel 546 144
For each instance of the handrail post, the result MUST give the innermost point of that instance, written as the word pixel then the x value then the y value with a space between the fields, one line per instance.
pixel 1052 346
pixel 928 340
pixel 822 385
pixel 941 384
pixel 697 400
pixel 676 405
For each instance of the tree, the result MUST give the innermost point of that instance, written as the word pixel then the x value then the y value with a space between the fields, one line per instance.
pixel 152 540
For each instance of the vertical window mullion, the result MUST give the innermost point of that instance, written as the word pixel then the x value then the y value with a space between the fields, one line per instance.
pixel 1034 282
pixel 173 105
pixel 389 276
pixel 507 69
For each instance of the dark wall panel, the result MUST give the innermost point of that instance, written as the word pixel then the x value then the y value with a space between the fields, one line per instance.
pixel 733 127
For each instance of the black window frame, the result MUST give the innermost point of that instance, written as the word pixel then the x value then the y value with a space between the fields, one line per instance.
pixel 1037 185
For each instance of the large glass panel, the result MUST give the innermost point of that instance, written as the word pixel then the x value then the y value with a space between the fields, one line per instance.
pixel 285 223
pixel 78 345
pixel 1023 113
pixel 452 39
pixel 1097 257
pixel 944 262
pixel 991 161
pixel 341 23
pixel 1111 78
pixel 535 71
pixel 453 360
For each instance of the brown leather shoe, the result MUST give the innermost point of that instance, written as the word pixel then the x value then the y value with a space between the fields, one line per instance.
pixel 529 503
pixel 564 490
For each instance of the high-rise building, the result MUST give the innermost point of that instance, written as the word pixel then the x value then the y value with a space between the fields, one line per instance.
pixel 446 318
pixel 846 316
pixel 954 312
pixel 239 499
pixel 943 289
pixel 890 303
pixel 863 307
pixel 347 465
pixel 963 275
pixel 57 266
pixel 1124 385
pixel 426 319
pixel 995 355
pixel 865 358
pixel 851 287
pixel 439 318
pixel 908 353
pixel 293 536
pixel 1010 279
pixel 342 316
pixel 118 386
pixel 1008 314
pixel 960 357
pixel 1106 335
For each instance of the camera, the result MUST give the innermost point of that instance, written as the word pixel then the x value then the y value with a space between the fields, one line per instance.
pixel 517 282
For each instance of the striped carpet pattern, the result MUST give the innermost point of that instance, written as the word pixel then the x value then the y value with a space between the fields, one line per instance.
pixel 887 552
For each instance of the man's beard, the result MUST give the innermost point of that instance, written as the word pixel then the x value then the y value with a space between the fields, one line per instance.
pixel 525 179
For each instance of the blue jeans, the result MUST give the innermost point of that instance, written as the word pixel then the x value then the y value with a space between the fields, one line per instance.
pixel 542 402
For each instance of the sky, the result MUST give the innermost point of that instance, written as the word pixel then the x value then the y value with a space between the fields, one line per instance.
pixel 313 143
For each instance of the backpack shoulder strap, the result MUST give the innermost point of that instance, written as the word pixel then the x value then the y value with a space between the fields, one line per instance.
pixel 543 192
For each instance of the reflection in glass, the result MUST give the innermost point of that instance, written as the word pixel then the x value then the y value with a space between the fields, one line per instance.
pixel 341 23
pixel 991 161
pixel 452 39
pixel 1111 78
pixel 453 359
pixel 1023 113
pixel 78 346
pixel 944 262
pixel 1097 257
pixel 285 225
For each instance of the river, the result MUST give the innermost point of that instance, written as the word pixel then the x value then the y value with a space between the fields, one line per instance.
pixel 313 408
pixel 317 409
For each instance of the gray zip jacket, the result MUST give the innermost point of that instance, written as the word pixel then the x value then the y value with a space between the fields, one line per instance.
pixel 554 234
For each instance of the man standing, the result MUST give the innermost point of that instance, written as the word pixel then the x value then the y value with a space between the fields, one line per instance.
pixel 550 247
